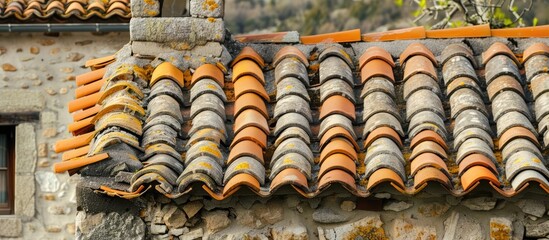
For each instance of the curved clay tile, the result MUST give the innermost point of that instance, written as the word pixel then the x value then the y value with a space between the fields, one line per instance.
pixel 247 67
pixel 337 105
pixel 129 90
pixel 336 51
pixel 82 126
pixel 208 120
pixel 460 83
pixel 55 6
pixel 384 104
pixel 382 120
pixel 337 176
pixel 291 67
pixel 89 77
pixel 208 102
pixel 540 106
pixel 159 134
pixel 164 173
pixel 290 176
pixel 120 119
pixel 14 7
pixel 514 119
pixel 517 145
pixel 292 86
pixel 427 120
pixel 419 64
pixel 184 181
pixel 466 99
pixel 525 177
pixel 292 145
pixel 75 8
pixel 96 5
pixel 121 105
pixel 204 165
pixel 428 160
pixel 164 120
pixel 335 68
pixel 251 134
pixel 424 101
pixel 418 82
pixel 249 84
pixel 164 105
pixel 458 67
pixel 334 121
pixel 250 101
pixel 250 117
pixel 98 62
pixel 84 102
pixel 170 88
pixel 210 134
pixel 336 37
pixel 508 101
pixel 524 160
pixel 377 84
pixel 501 65
pixel 292 132
pixel 78 162
pixel 398 34
pixel 428 147
pixel 476 160
pixel 291 160
pixel 431 174
pixel 471 119
pixel 336 87
pixel 385 160
pixel 205 86
pixel 166 70
pixel 428 135
pixel 290 52
pixel 204 148
pixel 385 175
pixel 337 132
pixel 242 179
pixel 475 174
pixel 117 6
pixel 248 53
pixel 474 146
pixel 245 165
pixel 536 65
pixel 166 160
pixel 88 112
pixel 478 31
pixel 415 49
pixel 375 53
pixel 338 145
pixel 498 48
pixel 77 152
pixel 535 49
pixel 383 132
pixel 289 120
pixel 376 68
pixel 337 161
pixel 162 148
pixel 89 88
pixel 105 140
pixel 383 146
pixel 246 148
pixel 209 71
pixel 458 49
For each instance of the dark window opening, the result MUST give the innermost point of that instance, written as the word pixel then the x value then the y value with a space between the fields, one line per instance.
pixel 7 169
pixel 174 8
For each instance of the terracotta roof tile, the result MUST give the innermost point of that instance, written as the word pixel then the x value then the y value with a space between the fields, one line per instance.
pixel 35 11
pixel 485 128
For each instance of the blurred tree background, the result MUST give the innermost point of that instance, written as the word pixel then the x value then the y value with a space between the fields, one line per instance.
pixel 322 16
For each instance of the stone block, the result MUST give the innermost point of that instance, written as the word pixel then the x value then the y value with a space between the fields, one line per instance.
pixel 11 226
pixel 185 30
pixel 48 118
pixel 207 8
pixel 25 148
pixel 24 196
pixel 145 8
pixel 20 101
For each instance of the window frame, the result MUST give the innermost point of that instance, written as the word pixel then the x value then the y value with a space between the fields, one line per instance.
pixel 8 209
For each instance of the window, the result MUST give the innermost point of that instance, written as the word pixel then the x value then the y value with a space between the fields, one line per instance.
pixel 7 169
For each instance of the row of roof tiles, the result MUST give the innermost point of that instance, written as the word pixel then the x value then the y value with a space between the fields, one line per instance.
pixel 413 33
pixel 145 124
pixel 81 9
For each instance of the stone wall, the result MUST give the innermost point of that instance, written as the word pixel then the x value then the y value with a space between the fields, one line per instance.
pixel 37 78
pixel 336 216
